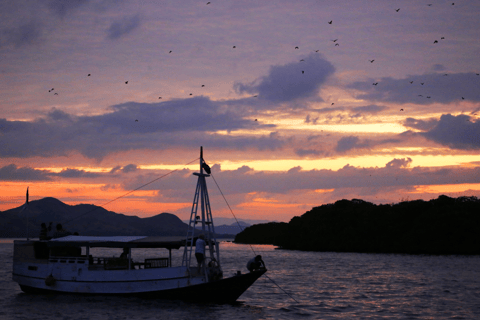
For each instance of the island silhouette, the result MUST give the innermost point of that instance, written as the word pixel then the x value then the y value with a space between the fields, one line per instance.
pixel 440 226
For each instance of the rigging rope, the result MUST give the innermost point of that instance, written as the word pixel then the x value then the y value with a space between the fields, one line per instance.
pixel 249 244
pixel 126 194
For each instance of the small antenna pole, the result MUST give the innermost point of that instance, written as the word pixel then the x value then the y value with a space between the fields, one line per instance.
pixel 26 208
pixel 201 160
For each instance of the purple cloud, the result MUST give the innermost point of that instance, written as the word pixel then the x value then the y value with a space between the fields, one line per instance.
pixel 74 173
pixel 456 132
pixel 24 34
pixel 132 126
pixel 348 143
pixel 129 168
pixel 423 125
pixel 13 173
pixel 291 81
pixel 399 163
pixel 62 7
pixel 440 87
pixel 368 109
pixel 123 26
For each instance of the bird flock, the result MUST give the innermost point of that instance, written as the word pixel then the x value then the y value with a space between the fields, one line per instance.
pixel 336 44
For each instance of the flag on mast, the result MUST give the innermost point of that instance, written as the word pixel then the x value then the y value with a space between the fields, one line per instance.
pixel 206 167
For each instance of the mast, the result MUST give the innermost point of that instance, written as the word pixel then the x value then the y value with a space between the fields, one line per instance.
pixel 203 220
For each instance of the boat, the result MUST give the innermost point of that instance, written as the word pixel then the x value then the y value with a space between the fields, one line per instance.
pixel 66 264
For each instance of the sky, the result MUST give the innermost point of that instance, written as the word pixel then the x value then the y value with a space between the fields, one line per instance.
pixel 296 103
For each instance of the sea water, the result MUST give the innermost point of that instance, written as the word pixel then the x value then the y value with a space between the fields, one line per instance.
pixel 300 285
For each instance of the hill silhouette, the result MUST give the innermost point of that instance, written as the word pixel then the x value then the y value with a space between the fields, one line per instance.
pixel 86 219
pixel 441 226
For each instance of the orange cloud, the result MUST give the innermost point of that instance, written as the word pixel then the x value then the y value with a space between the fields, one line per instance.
pixel 447 188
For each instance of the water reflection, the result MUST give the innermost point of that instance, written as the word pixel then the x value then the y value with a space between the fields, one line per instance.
pixel 327 285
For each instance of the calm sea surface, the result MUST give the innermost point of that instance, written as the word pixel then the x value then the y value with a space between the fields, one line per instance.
pixel 326 286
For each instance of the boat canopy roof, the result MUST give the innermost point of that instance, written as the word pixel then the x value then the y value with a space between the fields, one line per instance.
pixel 172 242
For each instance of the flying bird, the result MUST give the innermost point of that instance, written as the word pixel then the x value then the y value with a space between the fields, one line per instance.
pixel 255 119
pixel 296 47
pixel 375 83
pixel 208 2
pixel 203 85
pixel 333 103
pixel 126 82
pixel 191 93
pixel 255 96
pixel 422 83
pixel 136 120
pixel 411 82
pixel 442 38
pixel 428 97
pixel 330 22
pixel 401 109
pixel 436 41
pixel 334 40
pixel 303 71
pixel 159 97
pixel 371 61
pixel 302 60
pixel 337 44
pixel 234 47
pixel 170 51
pixel 317 50
pixel 89 75
pixel 56 94
pixel 397 9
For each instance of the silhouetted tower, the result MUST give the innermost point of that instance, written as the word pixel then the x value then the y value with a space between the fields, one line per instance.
pixel 201 216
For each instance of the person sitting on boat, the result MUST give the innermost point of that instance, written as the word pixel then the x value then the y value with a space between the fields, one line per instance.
pixel 255 263
pixel 214 271
pixel 61 232
pixel 200 250
pixel 124 254
pixel 44 231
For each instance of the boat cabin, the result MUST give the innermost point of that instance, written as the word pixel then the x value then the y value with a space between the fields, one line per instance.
pixel 69 250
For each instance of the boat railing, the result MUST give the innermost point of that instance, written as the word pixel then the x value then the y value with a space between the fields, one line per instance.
pixel 111 263
pixel 156 263
pixel 70 260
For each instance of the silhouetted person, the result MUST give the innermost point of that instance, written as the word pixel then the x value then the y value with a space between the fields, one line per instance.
pixel 44 231
pixel 200 250
pixel 124 254
pixel 60 232
pixel 255 263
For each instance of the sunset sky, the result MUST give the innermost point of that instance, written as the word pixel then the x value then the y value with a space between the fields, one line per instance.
pixel 296 103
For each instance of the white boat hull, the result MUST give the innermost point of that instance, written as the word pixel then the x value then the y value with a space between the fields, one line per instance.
pixel 165 283
pixel 72 277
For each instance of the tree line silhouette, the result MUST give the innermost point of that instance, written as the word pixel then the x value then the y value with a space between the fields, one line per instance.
pixel 440 226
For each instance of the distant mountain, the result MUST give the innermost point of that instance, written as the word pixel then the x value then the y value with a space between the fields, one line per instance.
pixel 219 221
pixel 86 219
pixel 233 221
pixel 439 226
pixel 231 230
